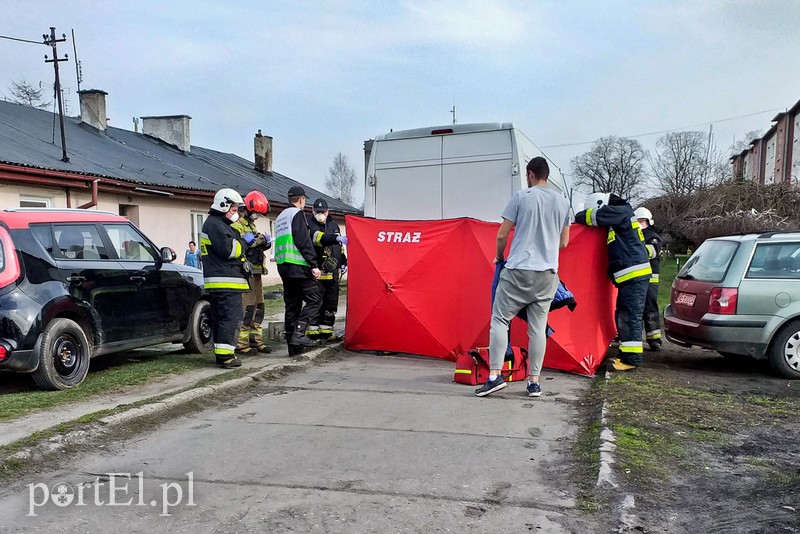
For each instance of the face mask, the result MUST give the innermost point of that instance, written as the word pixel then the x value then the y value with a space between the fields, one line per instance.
pixel 233 217
pixel 320 217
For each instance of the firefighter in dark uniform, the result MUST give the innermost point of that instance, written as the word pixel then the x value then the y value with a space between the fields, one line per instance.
pixel 298 269
pixel 328 241
pixel 222 250
pixel 255 205
pixel 628 268
pixel 653 243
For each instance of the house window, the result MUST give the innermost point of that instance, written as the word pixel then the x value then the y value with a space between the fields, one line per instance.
pixel 26 201
pixel 196 225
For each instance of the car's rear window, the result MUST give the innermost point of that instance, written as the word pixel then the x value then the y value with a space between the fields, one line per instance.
pixel 710 262
pixel 775 260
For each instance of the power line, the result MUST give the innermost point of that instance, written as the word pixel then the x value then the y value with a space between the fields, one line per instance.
pixel 673 129
pixel 21 40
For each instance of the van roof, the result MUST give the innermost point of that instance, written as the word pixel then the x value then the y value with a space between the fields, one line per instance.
pixel 22 217
pixel 446 130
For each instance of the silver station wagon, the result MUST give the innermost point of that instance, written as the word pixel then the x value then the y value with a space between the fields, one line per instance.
pixel 740 295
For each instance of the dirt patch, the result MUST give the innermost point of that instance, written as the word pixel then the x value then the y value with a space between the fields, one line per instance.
pixel 705 444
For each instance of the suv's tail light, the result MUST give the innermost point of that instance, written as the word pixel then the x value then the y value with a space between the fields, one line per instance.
pixel 3 353
pixel 9 264
pixel 723 300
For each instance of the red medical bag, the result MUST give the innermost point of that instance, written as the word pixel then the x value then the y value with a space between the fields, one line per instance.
pixel 473 368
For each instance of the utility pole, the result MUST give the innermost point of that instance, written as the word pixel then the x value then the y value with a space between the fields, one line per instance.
pixel 51 41
pixel 453 111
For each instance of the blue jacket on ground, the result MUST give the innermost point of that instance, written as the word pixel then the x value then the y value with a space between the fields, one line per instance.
pixel 563 297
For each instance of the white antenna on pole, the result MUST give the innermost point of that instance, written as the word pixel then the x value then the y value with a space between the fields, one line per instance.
pixel 78 72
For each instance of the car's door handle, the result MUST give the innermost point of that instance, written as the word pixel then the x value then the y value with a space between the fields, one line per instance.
pixel 76 279
pixel 139 280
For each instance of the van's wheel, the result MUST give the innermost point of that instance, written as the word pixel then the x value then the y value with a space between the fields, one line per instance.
pixel 784 351
pixel 64 354
pixel 201 329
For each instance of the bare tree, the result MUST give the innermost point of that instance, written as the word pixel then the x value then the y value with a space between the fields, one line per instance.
pixel 341 179
pixel 743 143
pixel 613 165
pixel 24 93
pixel 684 163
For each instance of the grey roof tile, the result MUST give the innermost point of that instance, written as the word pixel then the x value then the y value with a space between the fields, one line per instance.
pixel 30 137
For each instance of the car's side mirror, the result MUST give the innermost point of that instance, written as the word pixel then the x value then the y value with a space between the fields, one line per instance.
pixel 168 255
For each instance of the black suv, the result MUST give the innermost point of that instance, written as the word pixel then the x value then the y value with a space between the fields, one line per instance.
pixel 75 284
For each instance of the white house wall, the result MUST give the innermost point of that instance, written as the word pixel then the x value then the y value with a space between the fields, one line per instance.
pixel 796 150
pixel 769 162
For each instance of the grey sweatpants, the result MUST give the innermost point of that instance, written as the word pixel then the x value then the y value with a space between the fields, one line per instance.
pixel 517 289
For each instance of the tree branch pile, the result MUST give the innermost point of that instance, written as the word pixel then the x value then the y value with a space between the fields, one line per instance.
pixel 731 208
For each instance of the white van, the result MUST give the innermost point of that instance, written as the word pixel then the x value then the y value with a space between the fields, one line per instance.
pixel 444 172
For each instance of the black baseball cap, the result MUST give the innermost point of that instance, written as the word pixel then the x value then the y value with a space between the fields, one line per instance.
pixel 297 191
pixel 320 205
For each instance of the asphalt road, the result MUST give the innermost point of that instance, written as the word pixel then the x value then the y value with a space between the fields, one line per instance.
pixel 362 444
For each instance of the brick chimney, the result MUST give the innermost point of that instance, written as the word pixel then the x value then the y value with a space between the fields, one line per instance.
pixel 263 153
pixel 172 129
pixel 93 108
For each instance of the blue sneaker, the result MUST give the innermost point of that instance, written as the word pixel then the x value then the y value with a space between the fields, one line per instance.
pixel 490 387
pixel 534 389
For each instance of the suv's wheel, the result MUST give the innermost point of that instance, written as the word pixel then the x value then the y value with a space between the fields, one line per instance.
pixel 201 329
pixel 64 355
pixel 784 351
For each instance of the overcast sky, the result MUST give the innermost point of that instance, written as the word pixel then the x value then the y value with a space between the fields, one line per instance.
pixel 322 77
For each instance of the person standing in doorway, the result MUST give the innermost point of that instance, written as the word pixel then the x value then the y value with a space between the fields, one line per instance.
pixel 298 269
pixel 192 256
pixel 225 279
pixel 540 218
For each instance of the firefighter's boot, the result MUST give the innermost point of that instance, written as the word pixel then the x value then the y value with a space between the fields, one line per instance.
pixel 299 337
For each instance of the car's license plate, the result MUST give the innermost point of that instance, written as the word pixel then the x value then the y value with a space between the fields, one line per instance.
pixel 685 299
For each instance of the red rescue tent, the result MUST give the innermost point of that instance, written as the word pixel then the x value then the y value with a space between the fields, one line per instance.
pixel 424 287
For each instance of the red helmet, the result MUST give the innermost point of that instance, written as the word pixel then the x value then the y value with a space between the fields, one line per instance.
pixel 256 202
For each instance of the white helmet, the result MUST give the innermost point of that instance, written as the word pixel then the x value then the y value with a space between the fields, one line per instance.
pixel 596 200
pixel 644 213
pixel 225 198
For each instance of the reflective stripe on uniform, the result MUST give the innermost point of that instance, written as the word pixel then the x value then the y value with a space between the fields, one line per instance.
pixel 236 249
pixel 612 235
pixel 655 334
pixel 630 346
pixel 638 227
pixel 318 238
pixel 225 282
pixel 223 349
pixel 463 371
pixel 591 217
pixel 634 271
pixel 651 251
pixel 654 278
pixel 326 276
pixel 205 244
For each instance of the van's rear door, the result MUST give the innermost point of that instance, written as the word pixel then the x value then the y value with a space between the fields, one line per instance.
pixel 477 176
pixel 409 178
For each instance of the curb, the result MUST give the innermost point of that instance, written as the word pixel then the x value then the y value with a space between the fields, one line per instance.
pixel 179 399
pixel 59 441
pixel 605 476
